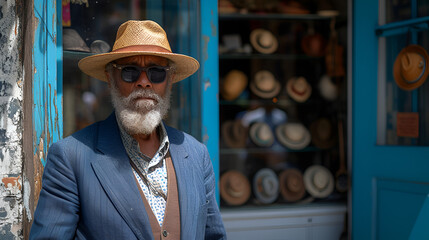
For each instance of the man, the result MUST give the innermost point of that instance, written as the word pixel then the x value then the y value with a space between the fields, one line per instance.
pixel 130 176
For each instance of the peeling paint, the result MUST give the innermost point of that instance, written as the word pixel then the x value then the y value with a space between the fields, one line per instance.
pixel 27 194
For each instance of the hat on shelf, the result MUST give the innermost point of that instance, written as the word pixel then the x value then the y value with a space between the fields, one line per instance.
pixel 265 85
pixel 139 38
pixel 323 133
pixel 326 8
pixel 411 67
pixel 292 7
pixel 291 183
pixel 234 134
pixel 265 186
pixel 233 85
pixel 99 46
pixel 313 45
pixel 263 41
pixel 225 6
pixel 261 134
pixel 234 188
pixel 328 90
pixel 293 135
pixel 72 41
pixel 318 181
pixel 298 89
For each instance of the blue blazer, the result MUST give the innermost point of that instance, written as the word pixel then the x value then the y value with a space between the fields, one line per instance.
pixel 89 191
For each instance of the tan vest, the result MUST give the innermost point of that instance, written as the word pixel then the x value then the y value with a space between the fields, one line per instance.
pixel 171 226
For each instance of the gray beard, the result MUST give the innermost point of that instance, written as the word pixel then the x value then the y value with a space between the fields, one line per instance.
pixel 140 116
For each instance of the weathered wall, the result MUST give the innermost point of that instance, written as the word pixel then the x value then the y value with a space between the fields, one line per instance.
pixel 11 115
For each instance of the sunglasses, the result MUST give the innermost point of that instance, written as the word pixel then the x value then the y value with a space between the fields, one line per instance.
pixel 131 73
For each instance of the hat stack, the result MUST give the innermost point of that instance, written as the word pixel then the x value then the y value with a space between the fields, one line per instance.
pixel 234 188
pixel 411 67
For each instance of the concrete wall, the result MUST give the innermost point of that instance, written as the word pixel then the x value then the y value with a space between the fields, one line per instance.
pixel 11 119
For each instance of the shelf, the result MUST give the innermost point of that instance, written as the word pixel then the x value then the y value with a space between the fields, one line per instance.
pixel 264 102
pixel 275 56
pixel 266 150
pixel 270 16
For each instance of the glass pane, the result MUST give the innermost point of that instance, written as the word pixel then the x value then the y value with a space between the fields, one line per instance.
pixel 90 27
pixel 399 10
pixel 406 108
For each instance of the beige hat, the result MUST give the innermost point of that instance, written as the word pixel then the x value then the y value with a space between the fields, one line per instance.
pixel 263 41
pixel 318 181
pixel 293 135
pixel 234 134
pixel 234 188
pixel 233 85
pixel 266 186
pixel 139 38
pixel 323 134
pixel 265 85
pixel 411 67
pixel 291 184
pixel 298 89
pixel 261 134
pixel 72 41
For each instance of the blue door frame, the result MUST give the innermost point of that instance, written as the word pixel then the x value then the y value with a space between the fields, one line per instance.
pixel 390 184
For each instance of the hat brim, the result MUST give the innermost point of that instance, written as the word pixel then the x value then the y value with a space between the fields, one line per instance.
pixel 309 185
pixel 254 41
pixel 265 94
pixel 400 81
pixel 95 65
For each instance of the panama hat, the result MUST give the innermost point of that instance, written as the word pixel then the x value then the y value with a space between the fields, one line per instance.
pixel 328 90
pixel 411 67
pixel 318 181
pixel 139 38
pixel 261 134
pixel 234 188
pixel 322 133
pixel 265 85
pixel 298 89
pixel 72 41
pixel 263 41
pixel 234 134
pixel 265 186
pixel 293 135
pixel 291 184
pixel 232 86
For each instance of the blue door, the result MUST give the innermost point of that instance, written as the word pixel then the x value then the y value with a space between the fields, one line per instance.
pixel 390 119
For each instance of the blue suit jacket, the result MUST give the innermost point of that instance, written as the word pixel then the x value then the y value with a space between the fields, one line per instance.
pixel 89 191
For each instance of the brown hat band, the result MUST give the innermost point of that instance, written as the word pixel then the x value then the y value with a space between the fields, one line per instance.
pixel 142 48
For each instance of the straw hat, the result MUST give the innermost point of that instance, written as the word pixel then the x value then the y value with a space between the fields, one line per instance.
pixel 293 135
pixel 411 67
pixel 261 134
pixel 72 41
pixel 139 38
pixel 314 45
pixel 263 41
pixel 265 85
pixel 318 181
pixel 298 89
pixel 234 134
pixel 291 184
pixel 328 90
pixel 266 186
pixel 234 188
pixel 233 85
pixel 322 133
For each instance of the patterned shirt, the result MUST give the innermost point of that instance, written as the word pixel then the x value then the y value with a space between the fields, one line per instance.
pixel 154 169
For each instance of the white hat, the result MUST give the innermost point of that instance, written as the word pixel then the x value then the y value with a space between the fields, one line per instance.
pixel 293 135
pixel 263 41
pixel 318 181
pixel 261 134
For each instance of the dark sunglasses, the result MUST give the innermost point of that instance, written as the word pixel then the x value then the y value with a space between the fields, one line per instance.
pixel 131 73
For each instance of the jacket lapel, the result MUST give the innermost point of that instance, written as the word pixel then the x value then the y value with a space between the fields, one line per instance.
pixel 115 175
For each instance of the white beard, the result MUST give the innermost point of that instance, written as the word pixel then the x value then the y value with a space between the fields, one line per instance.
pixel 140 116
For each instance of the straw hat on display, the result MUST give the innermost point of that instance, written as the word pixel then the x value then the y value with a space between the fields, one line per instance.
pixel 263 41
pixel 266 186
pixel 318 181
pixel 234 188
pixel 313 45
pixel 328 90
pixel 411 67
pixel 322 133
pixel 298 89
pixel 139 38
pixel 265 85
pixel 292 186
pixel 234 134
pixel 293 135
pixel 72 41
pixel 233 85
pixel 261 134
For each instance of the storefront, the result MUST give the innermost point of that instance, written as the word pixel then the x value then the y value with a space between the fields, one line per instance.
pixel 309 130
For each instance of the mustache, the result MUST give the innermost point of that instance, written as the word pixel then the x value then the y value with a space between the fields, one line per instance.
pixel 143 93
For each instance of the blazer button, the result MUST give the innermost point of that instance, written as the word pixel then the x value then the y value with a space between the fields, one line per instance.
pixel 164 233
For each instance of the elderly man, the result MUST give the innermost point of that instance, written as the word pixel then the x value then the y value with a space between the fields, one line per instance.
pixel 130 176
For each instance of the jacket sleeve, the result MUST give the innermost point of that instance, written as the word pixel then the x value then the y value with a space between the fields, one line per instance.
pixel 57 212
pixel 214 224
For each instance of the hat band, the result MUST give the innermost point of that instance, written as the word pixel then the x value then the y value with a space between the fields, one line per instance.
pixel 300 93
pixel 142 48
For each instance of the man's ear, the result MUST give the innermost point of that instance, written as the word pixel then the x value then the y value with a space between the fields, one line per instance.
pixel 107 77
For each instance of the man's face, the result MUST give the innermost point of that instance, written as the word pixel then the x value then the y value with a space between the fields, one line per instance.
pixel 140 105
